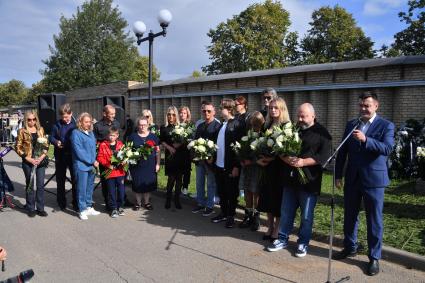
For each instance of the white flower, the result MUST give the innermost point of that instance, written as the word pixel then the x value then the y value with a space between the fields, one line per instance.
pixel 404 133
pixel 201 148
pixel 191 144
pixel 210 144
pixel 270 142
pixel 42 140
pixel 288 132
pixel 279 139
pixel 245 138
pixel 268 132
pixel 254 144
pixel 201 141
pixel 296 137
pixel 279 144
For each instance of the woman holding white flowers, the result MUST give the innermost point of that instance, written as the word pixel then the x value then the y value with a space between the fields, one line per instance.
pixel 271 182
pixel 84 161
pixel 186 118
pixel 174 157
pixel 32 146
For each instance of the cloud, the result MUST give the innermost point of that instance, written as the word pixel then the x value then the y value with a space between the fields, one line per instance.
pixel 380 7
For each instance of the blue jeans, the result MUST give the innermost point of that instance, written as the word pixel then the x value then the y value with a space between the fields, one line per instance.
pixel 85 185
pixel 203 171
pixel 116 191
pixel 291 200
pixel 34 199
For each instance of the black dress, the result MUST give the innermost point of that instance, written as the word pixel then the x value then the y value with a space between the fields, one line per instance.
pixel 179 162
pixel 143 173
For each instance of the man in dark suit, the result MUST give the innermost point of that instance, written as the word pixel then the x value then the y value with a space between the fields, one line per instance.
pixel 366 153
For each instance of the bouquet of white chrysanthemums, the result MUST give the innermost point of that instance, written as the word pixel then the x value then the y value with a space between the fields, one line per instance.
pixel 124 157
pixel 202 149
pixel 243 148
pixel 182 133
pixel 420 154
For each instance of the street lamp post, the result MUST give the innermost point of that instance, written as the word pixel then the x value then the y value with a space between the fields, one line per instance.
pixel 139 28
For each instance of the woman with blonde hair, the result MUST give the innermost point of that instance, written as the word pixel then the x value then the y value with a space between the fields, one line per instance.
pixel 270 198
pixel 84 162
pixel 186 118
pixel 32 146
pixel 147 114
pixel 174 157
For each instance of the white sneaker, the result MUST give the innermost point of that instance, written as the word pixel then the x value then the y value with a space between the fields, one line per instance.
pixel 83 215
pixel 92 211
pixel 185 191
pixel 301 250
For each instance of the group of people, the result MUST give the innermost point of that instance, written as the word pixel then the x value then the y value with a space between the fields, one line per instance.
pixel 271 184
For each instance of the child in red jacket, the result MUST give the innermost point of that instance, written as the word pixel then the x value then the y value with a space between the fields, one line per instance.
pixel 115 180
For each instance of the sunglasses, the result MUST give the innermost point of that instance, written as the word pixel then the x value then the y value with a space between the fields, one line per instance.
pixel 33 119
pixel 171 114
pixel 267 97
pixel 147 116
pixel 206 111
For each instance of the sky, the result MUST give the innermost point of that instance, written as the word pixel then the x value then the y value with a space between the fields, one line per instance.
pixel 27 28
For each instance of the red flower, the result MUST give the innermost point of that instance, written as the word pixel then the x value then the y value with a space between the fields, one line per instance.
pixel 150 143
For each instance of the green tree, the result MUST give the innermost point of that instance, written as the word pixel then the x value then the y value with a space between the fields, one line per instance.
pixel 13 92
pixel 35 90
pixel 91 48
pixel 141 70
pixel 333 37
pixel 252 40
pixel 411 41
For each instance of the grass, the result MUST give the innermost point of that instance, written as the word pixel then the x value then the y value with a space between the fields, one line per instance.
pixel 404 213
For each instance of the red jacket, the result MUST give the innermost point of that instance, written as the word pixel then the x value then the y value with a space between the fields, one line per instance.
pixel 104 157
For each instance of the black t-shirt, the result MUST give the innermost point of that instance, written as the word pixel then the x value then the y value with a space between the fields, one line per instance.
pixel 101 129
pixel 316 144
pixel 208 131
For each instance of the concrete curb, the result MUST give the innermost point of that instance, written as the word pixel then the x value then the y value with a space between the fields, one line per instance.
pixel 404 258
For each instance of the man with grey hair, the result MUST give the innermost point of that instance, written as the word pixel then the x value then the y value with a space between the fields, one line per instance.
pixel 268 95
pixel 316 147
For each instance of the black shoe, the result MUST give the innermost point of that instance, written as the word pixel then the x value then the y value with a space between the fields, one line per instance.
pixel 32 213
pixel 373 267
pixel 177 203
pixel 219 218
pixel 344 254
pixel 42 213
pixel 247 220
pixel 230 222
pixel 167 203
pixel 255 225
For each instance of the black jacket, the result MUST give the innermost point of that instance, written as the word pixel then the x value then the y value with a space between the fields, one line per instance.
pixel 235 130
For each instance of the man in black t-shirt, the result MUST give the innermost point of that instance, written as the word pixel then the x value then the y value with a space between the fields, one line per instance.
pixel 316 148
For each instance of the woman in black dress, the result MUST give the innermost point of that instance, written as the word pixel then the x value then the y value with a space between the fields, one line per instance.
pixel 270 181
pixel 174 158
pixel 144 173
pixel 186 118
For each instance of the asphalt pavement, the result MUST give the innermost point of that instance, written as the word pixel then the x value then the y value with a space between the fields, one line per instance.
pixel 158 246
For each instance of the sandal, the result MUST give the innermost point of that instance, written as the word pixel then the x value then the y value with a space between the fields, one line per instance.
pixel 148 206
pixel 136 207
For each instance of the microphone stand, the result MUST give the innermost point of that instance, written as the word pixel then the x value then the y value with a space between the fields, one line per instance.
pixel 328 161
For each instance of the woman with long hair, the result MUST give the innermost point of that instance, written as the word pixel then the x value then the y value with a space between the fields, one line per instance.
pixel 144 173
pixel 32 147
pixel 186 118
pixel 147 114
pixel 84 162
pixel 270 198
pixel 174 157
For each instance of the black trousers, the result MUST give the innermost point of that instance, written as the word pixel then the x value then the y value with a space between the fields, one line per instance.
pixel 62 162
pixel 34 200
pixel 105 192
pixel 228 191
pixel 186 178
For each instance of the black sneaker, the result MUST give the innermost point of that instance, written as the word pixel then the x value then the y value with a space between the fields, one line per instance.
pixel 208 211
pixel 219 218
pixel 230 222
pixel 32 213
pixel 121 211
pixel 42 213
pixel 197 209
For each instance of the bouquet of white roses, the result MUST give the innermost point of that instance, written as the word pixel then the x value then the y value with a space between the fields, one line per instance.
pixel 203 149
pixel 243 148
pixel 288 143
pixel 41 147
pixel 263 146
pixel 420 154
pixel 182 133
pixel 124 157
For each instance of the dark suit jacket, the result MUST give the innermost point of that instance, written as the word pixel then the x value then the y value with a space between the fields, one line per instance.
pixel 234 132
pixel 368 160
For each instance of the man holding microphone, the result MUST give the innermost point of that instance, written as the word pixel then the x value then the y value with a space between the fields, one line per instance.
pixel 366 153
